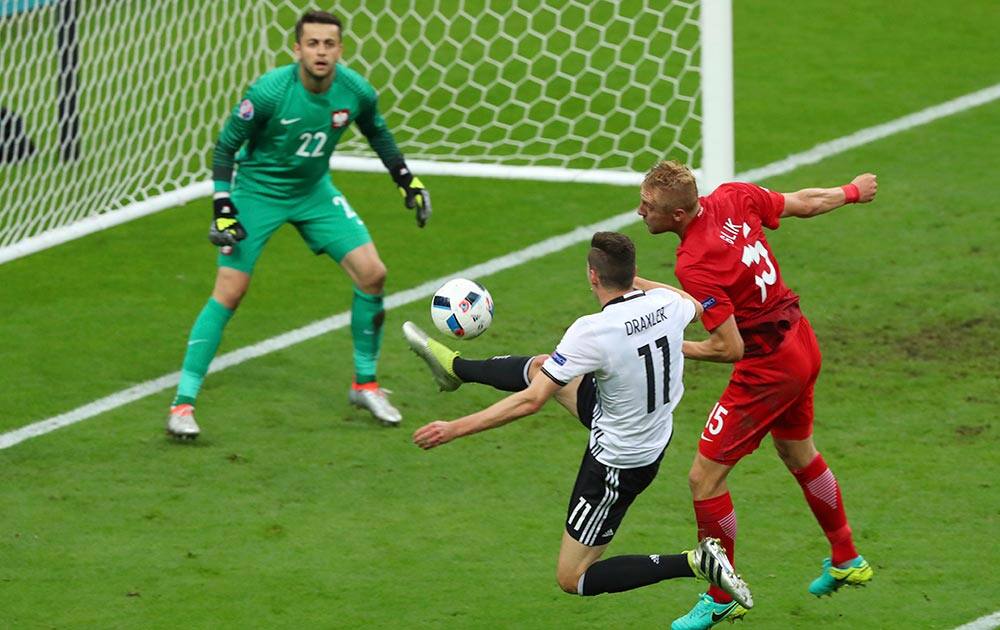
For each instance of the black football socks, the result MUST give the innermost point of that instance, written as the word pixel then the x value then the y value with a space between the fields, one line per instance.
pixel 508 373
pixel 624 573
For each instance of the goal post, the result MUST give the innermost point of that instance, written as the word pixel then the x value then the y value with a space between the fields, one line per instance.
pixel 576 90
pixel 718 163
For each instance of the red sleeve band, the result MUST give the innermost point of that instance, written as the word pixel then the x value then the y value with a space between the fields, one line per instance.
pixel 851 193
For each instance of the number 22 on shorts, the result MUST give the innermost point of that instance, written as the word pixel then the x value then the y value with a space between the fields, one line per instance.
pixel 348 210
pixel 716 418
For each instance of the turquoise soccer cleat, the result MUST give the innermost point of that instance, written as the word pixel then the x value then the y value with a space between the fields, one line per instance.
pixel 857 573
pixel 706 613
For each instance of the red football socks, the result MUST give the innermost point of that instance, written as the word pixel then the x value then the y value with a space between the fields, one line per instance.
pixel 717 519
pixel 823 495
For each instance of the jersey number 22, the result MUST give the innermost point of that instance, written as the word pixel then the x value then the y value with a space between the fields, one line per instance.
pixel 317 150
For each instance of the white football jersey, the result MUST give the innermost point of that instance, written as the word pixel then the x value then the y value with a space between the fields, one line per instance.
pixel 633 348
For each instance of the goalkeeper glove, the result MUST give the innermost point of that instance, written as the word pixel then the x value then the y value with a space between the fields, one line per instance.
pixel 225 230
pixel 415 196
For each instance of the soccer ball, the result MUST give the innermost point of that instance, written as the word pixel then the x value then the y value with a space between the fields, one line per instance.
pixel 462 308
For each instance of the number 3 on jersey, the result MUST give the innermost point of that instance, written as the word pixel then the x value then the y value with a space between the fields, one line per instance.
pixel 752 255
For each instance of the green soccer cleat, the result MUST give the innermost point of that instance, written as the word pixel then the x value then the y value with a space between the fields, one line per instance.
pixel 706 613
pixel 857 573
pixel 709 562
pixel 439 357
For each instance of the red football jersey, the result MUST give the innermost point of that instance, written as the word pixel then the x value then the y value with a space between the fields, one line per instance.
pixel 724 261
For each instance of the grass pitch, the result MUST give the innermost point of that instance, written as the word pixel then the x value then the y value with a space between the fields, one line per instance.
pixel 293 510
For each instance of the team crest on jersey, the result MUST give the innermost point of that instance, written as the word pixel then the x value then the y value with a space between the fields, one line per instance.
pixel 340 118
pixel 246 109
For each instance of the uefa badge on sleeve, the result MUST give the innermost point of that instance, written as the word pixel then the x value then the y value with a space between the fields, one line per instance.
pixel 340 118
pixel 246 109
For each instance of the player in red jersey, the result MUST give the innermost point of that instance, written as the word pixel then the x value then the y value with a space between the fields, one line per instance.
pixel 754 321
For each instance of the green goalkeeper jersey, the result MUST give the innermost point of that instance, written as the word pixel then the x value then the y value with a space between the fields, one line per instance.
pixel 285 134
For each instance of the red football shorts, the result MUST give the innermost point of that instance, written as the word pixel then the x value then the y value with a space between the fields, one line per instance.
pixel 772 393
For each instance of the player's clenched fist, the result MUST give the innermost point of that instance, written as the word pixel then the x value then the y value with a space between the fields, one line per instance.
pixel 433 434
pixel 226 230
pixel 867 187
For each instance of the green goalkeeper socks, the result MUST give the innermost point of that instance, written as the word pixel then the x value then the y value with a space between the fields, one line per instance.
pixel 202 344
pixel 367 316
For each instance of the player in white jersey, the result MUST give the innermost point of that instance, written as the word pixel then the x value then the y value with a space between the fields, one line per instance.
pixel 619 371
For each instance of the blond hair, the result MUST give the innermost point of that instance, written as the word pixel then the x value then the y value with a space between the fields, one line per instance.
pixel 673 184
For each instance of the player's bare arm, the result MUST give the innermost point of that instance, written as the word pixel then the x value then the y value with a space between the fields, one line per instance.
pixel 724 344
pixel 811 202
pixel 646 285
pixel 517 405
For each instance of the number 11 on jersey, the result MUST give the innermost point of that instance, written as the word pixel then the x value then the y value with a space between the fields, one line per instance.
pixel 646 352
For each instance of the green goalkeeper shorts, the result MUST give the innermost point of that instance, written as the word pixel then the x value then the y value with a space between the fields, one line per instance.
pixel 323 218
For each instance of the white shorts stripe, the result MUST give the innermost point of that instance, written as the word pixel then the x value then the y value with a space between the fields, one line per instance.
pixel 593 528
pixel 598 515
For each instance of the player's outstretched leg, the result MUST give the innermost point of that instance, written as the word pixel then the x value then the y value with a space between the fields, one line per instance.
pixel 180 422
pixel 709 562
pixel 855 572
pixel 438 357
pixel 508 373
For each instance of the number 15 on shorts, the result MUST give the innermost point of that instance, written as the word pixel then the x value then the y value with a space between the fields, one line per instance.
pixel 716 418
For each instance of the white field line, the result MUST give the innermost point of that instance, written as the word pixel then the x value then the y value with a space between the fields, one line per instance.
pixel 987 622
pixel 514 259
pixel 871 134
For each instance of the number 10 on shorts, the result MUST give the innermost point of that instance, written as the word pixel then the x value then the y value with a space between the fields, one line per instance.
pixel 716 418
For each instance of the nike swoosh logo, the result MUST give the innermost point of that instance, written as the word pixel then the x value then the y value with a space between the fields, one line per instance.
pixel 705 438
pixel 288 121
pixel 191 343
pixel 719 616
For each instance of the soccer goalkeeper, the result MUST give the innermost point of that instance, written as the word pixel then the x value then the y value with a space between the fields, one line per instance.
pixel 284 131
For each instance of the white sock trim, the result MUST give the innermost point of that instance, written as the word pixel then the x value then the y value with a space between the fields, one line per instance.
pixel 527 381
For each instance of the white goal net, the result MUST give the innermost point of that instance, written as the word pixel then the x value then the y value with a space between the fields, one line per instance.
pixel 109 108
